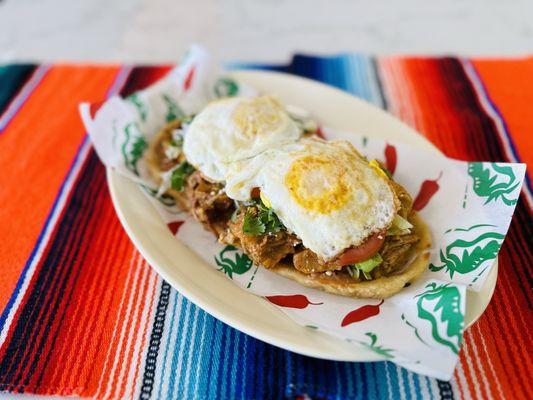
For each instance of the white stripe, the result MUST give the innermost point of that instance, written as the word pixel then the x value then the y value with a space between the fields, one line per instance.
pixel 373 78
pixel 424 387
pixel 171 336
pixel 462 380
pixel 400 381
pixel 191 351
pixel 493 114
pixel 49 228
pixel 134 324
pixel 483 379
pixel 143 338
pixel 23 95
pixel 73 351
pixel 489 359
pixel 115 329
pixel 470 365
pixel 411 385
pixel 434 387
pixel 200 352
pixel 215 355
pixel 455 387
pixel 389 382
pixel 136 260
pixel 83 152
pixel 181 347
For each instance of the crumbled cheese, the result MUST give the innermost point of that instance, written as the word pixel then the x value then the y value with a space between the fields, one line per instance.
pixel 172 152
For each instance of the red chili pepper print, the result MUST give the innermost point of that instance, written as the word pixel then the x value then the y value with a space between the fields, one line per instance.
pixel 426 192
pixel 291 301
pixel 175 226
pixel 391 158
pixel 94 107
pixel 361 313
pixel 320 133
pixel 188 79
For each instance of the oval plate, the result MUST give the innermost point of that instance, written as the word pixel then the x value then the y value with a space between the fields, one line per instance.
pixel 211 290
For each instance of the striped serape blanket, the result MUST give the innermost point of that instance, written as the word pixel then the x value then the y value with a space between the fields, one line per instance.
pixel 81 312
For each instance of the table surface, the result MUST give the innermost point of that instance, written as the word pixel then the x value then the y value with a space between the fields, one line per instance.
pixel 161 30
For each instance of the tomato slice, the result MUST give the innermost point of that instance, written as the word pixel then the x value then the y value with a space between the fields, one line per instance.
pixel 364 251
pixel 256 192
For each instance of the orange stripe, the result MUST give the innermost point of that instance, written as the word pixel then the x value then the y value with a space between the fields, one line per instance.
pixel 95 291
pixel 120 320
pixel 458 381
pixel 138 323
pixel 49 131
pixel 509 84
pixel 124 348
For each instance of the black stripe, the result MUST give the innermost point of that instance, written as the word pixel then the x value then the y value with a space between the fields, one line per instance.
pixel 139 78
pixel 155 341
pixel 90 184
pixel 28 325
pixel 12 79
pixel 445 390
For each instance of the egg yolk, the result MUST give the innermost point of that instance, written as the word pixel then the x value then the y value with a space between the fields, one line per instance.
pixel 318 184
pixel 259 116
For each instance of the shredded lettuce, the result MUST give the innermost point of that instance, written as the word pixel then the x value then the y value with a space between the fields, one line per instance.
pixel 365 267
pixel 400 226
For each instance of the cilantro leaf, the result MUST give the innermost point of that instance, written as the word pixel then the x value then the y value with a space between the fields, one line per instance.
pixel 263 220
pixel 252 224
pixel 177 179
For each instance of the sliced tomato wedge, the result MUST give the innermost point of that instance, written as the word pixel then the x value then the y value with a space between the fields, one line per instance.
pixel 364 251
pixel 256 192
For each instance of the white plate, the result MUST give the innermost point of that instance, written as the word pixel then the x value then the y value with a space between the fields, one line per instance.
pixel 216 294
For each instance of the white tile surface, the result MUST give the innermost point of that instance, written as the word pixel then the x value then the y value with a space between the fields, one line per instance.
pixel 268 30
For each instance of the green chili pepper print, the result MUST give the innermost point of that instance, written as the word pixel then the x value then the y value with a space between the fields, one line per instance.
pixel 173 109
pixel 440 306
pixel 238 263
pixel 466 254
pixel 133 147
pixel 382 351
pixel 139 105
pixel 226 87
pixel 494 181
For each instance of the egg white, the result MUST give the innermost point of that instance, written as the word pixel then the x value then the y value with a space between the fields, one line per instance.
pixel 324 192
pixel 234 129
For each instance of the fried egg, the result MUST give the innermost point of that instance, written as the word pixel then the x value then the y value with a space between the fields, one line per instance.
pixel 234 129
pixel 325 192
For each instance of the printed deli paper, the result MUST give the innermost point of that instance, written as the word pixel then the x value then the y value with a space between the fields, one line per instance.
pixel 468 206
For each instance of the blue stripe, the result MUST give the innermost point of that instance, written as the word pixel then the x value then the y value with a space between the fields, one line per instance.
pixel 418 391
pixel 428 384
pixel 22 277
pixel 183 314
pixel 233 365
pixel 406 383
pixel 167 347
pixel 393 374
